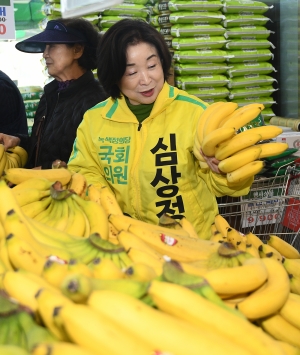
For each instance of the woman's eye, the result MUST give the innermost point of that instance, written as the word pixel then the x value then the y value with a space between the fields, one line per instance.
pixel 130 74
pixel 152 66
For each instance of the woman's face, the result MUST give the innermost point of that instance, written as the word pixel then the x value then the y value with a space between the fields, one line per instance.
pixel 61 60
pixel 143 78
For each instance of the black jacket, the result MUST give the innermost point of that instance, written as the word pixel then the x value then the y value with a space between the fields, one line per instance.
pixel 12 110
pixel 57 117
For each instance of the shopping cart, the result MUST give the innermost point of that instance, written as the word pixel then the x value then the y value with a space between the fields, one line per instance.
pixel 271 207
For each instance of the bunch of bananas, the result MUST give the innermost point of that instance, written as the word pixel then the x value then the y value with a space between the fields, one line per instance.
pixel 241 154
pixel 15 157
pixel 84 287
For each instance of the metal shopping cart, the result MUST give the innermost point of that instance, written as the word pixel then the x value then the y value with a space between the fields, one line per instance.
pixel 271 207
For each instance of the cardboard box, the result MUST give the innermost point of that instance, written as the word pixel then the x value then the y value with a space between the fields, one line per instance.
pixel 292 139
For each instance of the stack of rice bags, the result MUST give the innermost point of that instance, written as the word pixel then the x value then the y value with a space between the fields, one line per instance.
pixel 250 53
pixel 129 8
pixel 31 97
pixel 198 42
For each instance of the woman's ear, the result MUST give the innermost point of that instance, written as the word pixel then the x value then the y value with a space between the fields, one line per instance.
pixel 78 50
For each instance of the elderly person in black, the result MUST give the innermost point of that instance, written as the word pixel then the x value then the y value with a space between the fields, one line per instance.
pixel 69 50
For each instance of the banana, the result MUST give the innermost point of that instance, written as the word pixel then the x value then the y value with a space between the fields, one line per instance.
pixel 13 159
pixel 129 240
pixel 235 237
pixel 77 267
pixel 60 348
pixel 4 255
pixel 139 256
pixel 203 119
pixel 22 288
pixel 21 153
pixel 79 220
pixel 272 149
pixel 270 299
pixel 266 132
pixel 47 301
pixel 284 248
pixel 34 332
pixel 294 283
pixel 93 194
pixel 237 143
pixel 13 225
pixel 239 279
pixel 38 183
pixel 109 202
pixel 251 249
pixel 54 271
pixel 221 225
pixel 78 184
pixel 253 239
pixel 292 266
pixel 12 350
pixel 216 117
pixel 26 196
pixel 243 115
pixel 245 172
pixel 32 209
pixel 204 314
pixel 105 269
pixel 122 222
pixel 239 159
pixel 217 237
pixel 78 287
pixel 291 311
pixel 280 329
pixel 176 247
pixel 197 150
pixel 162 331
pixel 18 175
pixel 2 159
pixel 96 215
pixel 140 272
pixel 266 251
pixel 288 348
pixel 187 226
pixel 216 137
pixel 98 334
pixel 23 256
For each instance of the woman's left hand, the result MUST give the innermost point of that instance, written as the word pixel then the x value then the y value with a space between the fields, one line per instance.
pixel 212 162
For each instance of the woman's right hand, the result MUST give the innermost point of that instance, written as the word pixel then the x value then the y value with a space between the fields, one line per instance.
pixel 9 141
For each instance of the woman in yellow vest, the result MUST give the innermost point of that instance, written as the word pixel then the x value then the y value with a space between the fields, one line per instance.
pixel 139 142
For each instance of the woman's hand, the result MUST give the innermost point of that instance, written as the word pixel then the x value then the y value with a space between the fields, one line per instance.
pixel 212 162
pixel 9 141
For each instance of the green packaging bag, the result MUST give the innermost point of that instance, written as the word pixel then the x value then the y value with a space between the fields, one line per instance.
pixel 185 82
pixel 248 32
pixel 259 55
pixel 181 5
pixel 241 44
pixel 255 7
pixel 267 101
pixel 197 29
pixel 208 17
pixel 196 56
pixel 132 10
pixel 204 41
pixel 233 20
pixel 250 80
pixel 240 69
pixel 209 92
pixel 203 68
pixel 267 90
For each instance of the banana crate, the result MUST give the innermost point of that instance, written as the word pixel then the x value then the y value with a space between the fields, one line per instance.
pixel 272 206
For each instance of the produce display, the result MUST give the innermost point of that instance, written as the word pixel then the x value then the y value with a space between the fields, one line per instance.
pixel 77 276
pixel 15 157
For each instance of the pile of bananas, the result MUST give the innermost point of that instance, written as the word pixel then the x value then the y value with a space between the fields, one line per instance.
pixel 114 285
pixel 15 157
pixel 240 154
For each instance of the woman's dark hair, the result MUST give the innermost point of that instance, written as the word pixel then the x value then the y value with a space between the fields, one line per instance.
pixel 112 49
pixel 88 60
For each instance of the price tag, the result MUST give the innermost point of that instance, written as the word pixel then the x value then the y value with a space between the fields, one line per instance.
pixel 7 20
